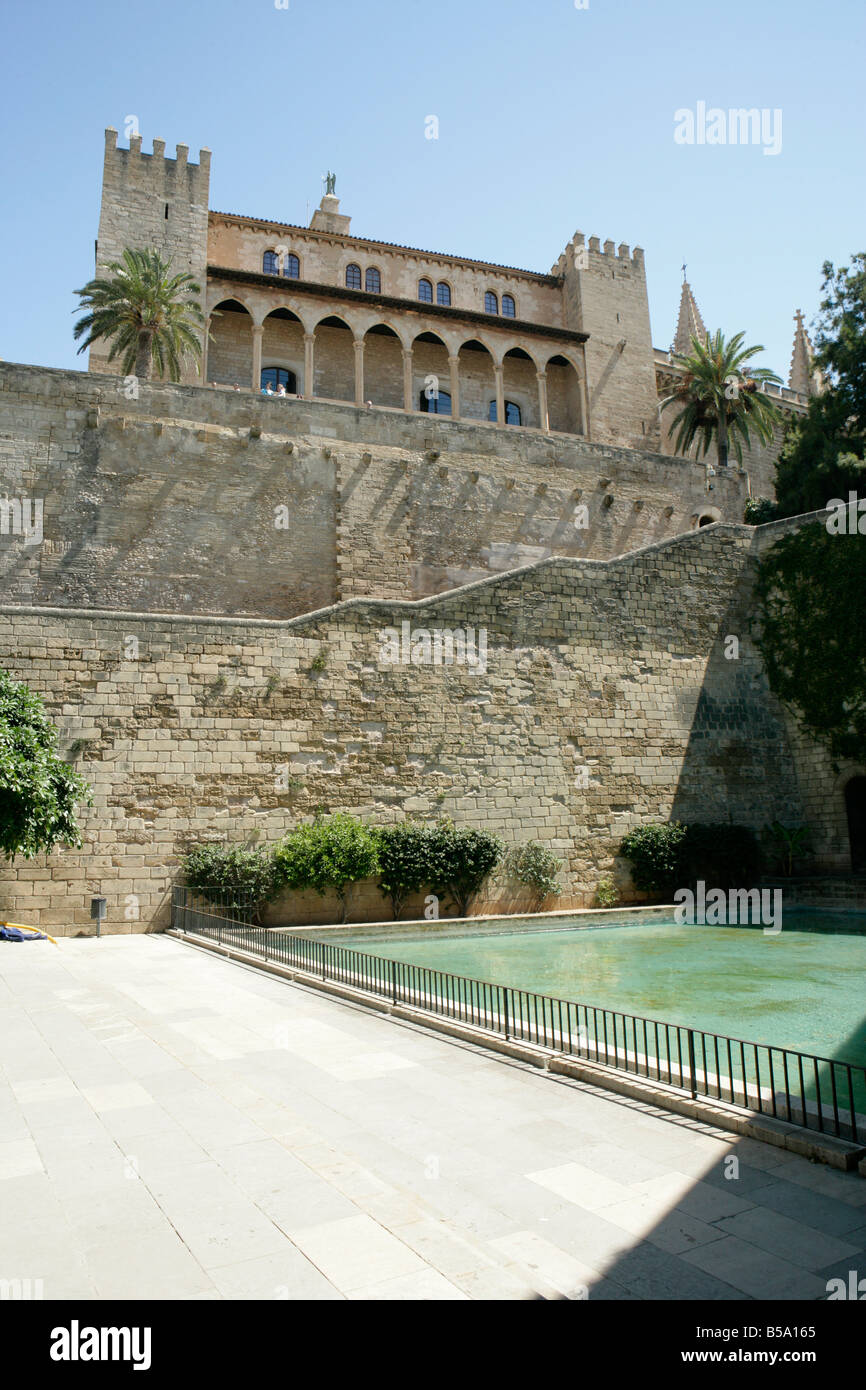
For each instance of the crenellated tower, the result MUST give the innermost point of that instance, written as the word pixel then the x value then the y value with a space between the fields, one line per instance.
pixel 151 201
pixel 605 295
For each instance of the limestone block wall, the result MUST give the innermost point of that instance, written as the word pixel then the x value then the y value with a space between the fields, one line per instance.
pixel 168 501
pixel 605 701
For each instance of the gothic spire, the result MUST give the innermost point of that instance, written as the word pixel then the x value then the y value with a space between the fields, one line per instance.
pixel 804 376
pixel 689 324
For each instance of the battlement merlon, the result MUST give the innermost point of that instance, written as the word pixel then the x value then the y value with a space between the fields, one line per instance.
pixel 578 256
pixel 137 166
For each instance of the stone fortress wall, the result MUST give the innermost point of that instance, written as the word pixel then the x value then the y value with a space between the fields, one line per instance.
pixel 168 501
pixel 606 700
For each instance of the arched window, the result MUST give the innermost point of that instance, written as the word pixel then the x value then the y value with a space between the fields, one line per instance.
pixel 440 404
pixel 270 263
pixel 425 291
pixel 353 277
pixel 373 282
pixel 513 414
pixel 508 308
pixel 292 267
pixel 443 293
pixel 279 376
pixel 491 303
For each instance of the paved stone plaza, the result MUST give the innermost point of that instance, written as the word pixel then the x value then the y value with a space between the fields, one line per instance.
pixel 176 1126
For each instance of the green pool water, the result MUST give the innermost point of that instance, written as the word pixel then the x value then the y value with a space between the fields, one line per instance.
pixel 803 989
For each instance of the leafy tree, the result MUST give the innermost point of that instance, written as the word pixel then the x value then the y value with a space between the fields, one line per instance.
pixel 720 399
pixel 329 852
pixel 461 860
pixel 536 867
pixel 812 614
pixel 824 453
pixel 150 316
pixel 404 861
pixel 232 876
pixel 38 791
pixel 759 510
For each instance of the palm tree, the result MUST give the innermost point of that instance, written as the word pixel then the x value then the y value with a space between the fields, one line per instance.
pixel 149 316
pixel 721 399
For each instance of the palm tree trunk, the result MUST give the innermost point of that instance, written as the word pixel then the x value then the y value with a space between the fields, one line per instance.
pixel 143 359
pixel 723 439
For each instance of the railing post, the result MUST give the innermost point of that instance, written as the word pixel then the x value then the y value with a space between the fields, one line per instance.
pixel 392 974
pixel 505 1011
pixel 692 1067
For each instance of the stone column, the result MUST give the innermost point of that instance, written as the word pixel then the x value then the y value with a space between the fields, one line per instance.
pixel 543 413
pixel 309 365
pixel 204 348
pixel 359 371
pixel 499 370
pixel 258 331
pixel 454 372
pixel 408 359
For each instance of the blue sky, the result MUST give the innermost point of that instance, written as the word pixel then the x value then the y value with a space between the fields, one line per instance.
pixel 551 119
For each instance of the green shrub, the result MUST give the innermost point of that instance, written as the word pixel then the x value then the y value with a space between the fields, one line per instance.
pixel 787 844
pixel 759 510
pixel 231 875
pixel 671 856
pixel 536 867
pixel 404 861
pixel 655 854
pixel 607 893
pixel 461 860
pixel 331 852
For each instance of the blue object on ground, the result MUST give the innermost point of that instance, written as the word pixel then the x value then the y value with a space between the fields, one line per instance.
pixel 13 934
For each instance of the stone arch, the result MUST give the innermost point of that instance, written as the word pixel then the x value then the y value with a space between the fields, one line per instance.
pixel 520 383
pixel 283 343
pixel 707 516
pixel 565 400
pixel 230 349
pixel 855 811
pixel 477 379
pixel 383 365
pixel 431 374
pixel 334 359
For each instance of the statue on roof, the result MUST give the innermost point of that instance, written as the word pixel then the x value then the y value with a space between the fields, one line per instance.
pixel 330 182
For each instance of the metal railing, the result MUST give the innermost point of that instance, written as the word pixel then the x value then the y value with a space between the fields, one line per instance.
pixel 815 1093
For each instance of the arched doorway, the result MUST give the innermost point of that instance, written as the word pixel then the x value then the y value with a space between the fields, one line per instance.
pixel 855 805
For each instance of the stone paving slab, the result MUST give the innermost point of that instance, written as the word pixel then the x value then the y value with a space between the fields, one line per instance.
pixel 173 1125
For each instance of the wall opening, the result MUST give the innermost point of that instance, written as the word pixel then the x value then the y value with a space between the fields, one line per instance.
pixel 855 805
